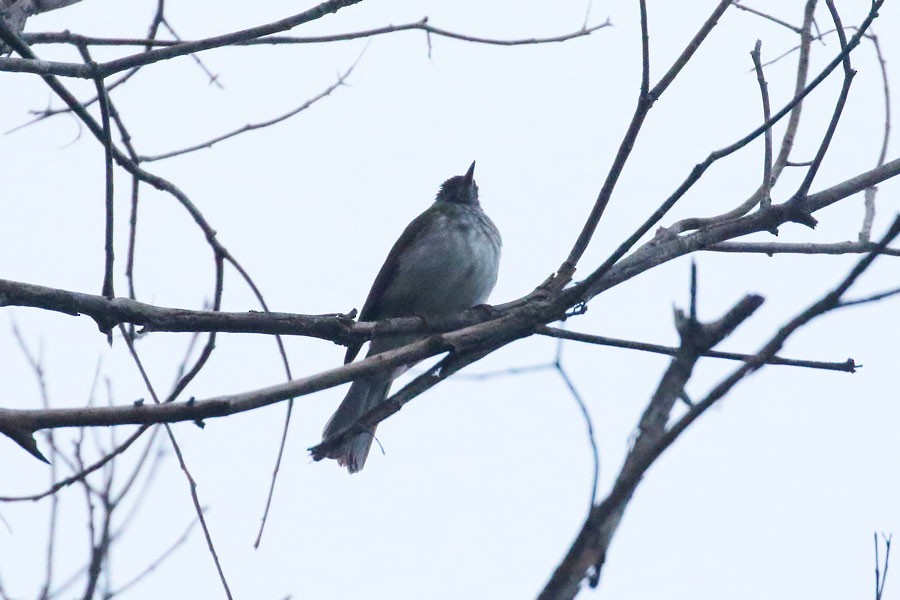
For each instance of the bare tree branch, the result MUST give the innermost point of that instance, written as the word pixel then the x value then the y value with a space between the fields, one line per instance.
pixel 772 248
pixel 192 484
pixel 66 37
pixel 645 102
pixel 106 69
pixel 881 577
pixel 44 68
pixel 847 366
pixel 588 552
pixel 254 126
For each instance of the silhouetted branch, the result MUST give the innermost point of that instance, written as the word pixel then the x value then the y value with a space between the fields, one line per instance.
pixel 772 248
pixel 63 69
pixel 587 554
pixel 254 126
pixel 66 37
pixel 847 366
pixel 881 576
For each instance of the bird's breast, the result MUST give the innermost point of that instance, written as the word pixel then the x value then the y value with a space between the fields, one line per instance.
pixel 452 265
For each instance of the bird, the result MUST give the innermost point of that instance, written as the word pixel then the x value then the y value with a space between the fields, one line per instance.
pixel 446 260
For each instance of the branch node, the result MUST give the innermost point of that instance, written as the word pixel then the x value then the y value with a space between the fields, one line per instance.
pixel 798 211
pixel 25 439
pixel 577 310
pixel 683 396
pixel 347 317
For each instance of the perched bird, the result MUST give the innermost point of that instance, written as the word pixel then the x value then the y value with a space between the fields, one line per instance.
pixel 446 260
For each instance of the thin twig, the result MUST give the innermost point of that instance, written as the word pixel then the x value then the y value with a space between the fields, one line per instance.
pixel 847 366
pixel 768 17
pixel 882 579
pixel 81 474
pixel 772 248
pixel 367 421
pixel 765 193
pixel 508 372
pixel 342 77
pixel 192 484
pixel 588 422
pixel 155 563
pixel 37 369
pixel 109 250
pixel 865 232
pixel 800 210
pixel 871 298
pixel 49 68
pixel 804 187
pixel 645 102
pixel 420 25
pixel 152 32
pixel 213 79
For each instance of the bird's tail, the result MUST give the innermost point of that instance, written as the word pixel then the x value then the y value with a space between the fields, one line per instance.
pixel 364 395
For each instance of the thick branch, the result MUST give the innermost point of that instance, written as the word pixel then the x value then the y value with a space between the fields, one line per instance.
pixel 589 549
pixel 339 329
pixel 17 423
pixel 108 313
pixel 667 247
pixel 369 420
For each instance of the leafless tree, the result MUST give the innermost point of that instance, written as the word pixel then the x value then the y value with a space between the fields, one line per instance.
pixel 461 339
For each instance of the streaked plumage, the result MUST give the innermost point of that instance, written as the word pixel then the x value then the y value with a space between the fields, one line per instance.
pixel 446 260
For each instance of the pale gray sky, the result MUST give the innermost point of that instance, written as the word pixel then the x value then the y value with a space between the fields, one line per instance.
pixel 774 494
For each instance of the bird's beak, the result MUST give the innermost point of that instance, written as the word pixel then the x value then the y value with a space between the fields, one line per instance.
pixel 470 174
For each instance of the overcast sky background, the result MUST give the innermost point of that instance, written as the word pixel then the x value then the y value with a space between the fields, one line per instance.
pixel 774 494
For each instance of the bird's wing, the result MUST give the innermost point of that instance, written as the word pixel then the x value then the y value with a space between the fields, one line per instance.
pixel 372 309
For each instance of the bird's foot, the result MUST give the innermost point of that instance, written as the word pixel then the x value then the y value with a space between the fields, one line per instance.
pixel 486 311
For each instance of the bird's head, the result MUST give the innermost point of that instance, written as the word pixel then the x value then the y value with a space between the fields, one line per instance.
pixel 460 189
